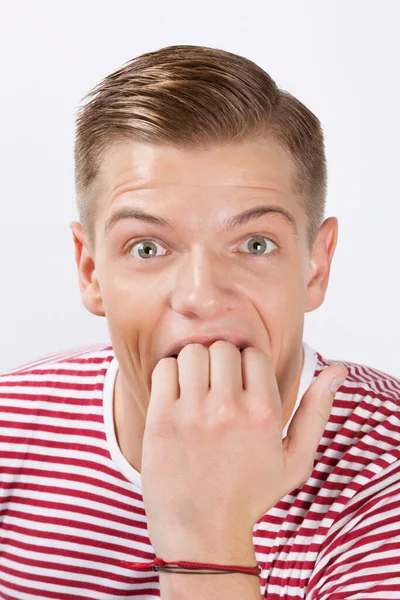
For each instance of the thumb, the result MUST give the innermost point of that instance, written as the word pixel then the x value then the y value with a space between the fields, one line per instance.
pixel 309 422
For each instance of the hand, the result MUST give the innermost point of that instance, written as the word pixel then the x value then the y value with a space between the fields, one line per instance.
pixel 213 458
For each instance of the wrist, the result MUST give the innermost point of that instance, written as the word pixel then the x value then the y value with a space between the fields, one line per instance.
pixel 207 568
pixel 207 551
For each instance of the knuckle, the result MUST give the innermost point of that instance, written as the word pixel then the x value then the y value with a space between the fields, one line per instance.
pixel 263 415
pixel 189 424
pixel 226 416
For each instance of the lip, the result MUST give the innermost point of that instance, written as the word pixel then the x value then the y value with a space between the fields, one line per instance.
pixel 208 341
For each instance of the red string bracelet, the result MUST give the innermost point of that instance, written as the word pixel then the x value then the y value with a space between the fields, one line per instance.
pixel 158 564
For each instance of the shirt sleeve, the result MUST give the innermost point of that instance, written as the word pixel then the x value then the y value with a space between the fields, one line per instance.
pixel 361 559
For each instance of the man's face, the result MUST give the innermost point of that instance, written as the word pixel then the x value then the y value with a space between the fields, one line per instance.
pixel 157 285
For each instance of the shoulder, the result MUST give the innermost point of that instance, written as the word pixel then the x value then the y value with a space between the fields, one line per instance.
pixel 57 370
pixel 363 431
pixel 359 458
pixel 365 382
pixel 362 435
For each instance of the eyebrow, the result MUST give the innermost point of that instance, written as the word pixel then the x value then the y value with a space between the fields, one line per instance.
pixel 236 221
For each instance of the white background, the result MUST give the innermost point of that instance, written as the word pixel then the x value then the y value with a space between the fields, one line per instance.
pixel 341 59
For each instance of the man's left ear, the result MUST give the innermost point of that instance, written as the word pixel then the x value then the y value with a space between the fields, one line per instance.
pixel 320 263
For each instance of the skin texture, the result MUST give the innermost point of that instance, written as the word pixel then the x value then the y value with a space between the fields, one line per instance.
pixel 199 283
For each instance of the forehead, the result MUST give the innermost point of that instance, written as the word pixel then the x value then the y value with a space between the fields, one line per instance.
pixel 134 165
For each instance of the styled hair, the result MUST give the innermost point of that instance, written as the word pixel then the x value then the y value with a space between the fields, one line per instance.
pixel 195 97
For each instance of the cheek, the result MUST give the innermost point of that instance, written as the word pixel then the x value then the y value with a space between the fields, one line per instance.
pixel 125 298
pixel 281 303
pixel 281 292
pixel 133 321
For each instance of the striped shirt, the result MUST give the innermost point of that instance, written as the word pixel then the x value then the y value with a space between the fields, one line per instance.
pixel 71 508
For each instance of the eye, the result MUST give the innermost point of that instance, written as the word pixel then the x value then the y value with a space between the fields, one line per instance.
pixel 146 249
pixel 258 246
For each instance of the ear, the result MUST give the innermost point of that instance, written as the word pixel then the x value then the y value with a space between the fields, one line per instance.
pixel 320 263
pixel 88 283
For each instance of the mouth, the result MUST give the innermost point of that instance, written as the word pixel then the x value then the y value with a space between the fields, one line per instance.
pixel 238 347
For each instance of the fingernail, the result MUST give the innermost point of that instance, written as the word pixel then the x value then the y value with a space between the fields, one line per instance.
pixel 336 383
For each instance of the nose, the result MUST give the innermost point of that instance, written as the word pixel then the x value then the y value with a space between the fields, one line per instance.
pixel 204 286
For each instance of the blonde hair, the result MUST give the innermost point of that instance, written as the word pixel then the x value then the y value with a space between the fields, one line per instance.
pixel 194 96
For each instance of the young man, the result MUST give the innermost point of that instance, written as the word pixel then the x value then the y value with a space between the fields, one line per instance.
pixel 207 431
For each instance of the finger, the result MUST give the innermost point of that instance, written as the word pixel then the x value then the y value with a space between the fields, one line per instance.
pixel 263 397
pixel 308 425
pixel 193 373
pixel 225 370
pixel 164 392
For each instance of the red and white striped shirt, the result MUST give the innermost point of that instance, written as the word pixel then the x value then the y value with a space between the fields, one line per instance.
pixel 72 509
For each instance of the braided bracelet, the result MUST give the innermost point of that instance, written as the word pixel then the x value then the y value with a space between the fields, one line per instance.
pixel 158 564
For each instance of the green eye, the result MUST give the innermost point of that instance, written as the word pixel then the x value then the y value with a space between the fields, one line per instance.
pixel 146 249
pixel 259 246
